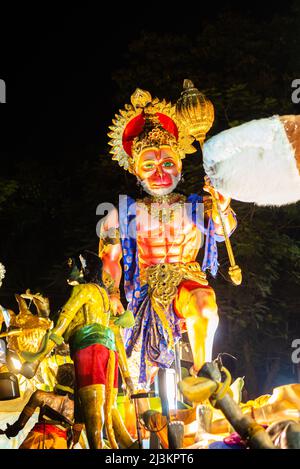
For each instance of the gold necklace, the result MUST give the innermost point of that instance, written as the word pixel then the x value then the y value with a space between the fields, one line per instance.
pixel 163 207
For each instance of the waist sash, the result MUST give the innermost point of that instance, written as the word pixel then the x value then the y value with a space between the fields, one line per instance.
pixel 90 335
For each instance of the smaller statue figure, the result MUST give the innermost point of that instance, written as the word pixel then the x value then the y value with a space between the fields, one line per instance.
pixel 55 428
pixel 84 323
pixel 27 332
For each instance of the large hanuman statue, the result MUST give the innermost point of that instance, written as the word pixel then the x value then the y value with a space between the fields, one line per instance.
pixel 159 238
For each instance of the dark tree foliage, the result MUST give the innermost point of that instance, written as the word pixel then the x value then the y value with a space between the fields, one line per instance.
pixel 48 206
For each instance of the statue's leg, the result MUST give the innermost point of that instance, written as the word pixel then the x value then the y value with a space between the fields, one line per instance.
pixel 197 305
pixel 92 399
pixel 122 435
pixel 91 369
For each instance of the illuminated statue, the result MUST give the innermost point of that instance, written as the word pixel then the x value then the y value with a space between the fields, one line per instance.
pixel 159 238
pixel 56 416
pixel 26 332
pixel 84 324
pixel 278 412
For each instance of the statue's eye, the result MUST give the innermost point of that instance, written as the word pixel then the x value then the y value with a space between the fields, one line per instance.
pixel 148 166
pixel 168 164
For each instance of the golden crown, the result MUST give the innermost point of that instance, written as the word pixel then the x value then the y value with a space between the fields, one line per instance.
pixel 145 123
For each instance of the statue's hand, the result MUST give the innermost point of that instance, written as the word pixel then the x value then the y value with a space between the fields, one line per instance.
pixel 34 296
pixel 116 305
pixel 223 201
pixel 125 320
pixel 11 430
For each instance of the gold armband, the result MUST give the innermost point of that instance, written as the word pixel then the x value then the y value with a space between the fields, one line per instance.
pixel 57 339
pixel 110 237
pixel 109 284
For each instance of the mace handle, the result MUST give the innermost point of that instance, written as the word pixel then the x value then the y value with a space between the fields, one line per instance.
pixel 234 270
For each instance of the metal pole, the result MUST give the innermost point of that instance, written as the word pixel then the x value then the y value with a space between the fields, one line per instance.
pixel 179 396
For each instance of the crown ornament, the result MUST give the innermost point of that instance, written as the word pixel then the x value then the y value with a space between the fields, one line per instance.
pixel 147 123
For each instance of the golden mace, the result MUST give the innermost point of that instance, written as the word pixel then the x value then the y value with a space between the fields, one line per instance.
pixel 196 113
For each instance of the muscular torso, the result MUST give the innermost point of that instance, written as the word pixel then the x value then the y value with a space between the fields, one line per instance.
pixel 175 240
pixel 161 238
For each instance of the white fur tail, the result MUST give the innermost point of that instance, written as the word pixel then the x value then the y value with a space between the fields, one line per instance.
pixel 256 162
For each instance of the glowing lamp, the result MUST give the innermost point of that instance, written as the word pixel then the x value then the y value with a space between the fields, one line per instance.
pixel 168 390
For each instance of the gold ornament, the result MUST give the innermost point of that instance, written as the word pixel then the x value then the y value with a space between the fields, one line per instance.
pixel 163 207
pixel 153 135
pixel 195 111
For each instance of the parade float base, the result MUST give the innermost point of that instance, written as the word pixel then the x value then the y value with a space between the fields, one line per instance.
pixel 282 404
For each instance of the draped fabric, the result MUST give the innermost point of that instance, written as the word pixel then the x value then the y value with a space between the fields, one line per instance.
pixel 155 349
pixel 210 260
pixel 91 364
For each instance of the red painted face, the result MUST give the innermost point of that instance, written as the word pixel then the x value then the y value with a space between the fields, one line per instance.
pixel 158 169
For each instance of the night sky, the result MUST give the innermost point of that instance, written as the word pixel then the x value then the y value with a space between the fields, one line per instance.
pixel 57 63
